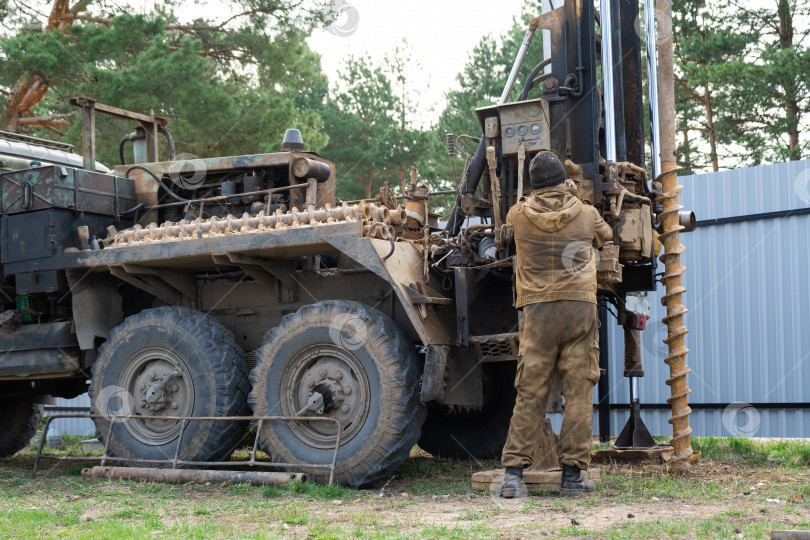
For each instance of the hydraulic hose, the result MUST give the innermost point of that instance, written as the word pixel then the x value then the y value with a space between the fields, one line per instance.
pixel 471 179
pixel 158 180
pixel 121 156
pixel 134 135
pixel 531 82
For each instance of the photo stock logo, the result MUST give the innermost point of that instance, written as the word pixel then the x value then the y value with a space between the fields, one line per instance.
pixel 348 331
pixel 801 185
pixel 187 171
pixel 346 19
pixel 741 419
pixel 115 401
pixel 579 258
pixel 514 503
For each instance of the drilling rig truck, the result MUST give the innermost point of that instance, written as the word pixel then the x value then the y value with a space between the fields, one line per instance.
pixel 240 285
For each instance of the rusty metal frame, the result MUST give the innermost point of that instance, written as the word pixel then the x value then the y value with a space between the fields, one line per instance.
pixel 176 461
pixel 485 345
pixel 150 123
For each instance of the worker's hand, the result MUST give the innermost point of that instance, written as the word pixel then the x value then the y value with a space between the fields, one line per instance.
pixel 573 171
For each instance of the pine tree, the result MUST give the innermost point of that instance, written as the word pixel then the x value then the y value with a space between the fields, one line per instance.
pixel 773 89
pixel 228 86
pixel 708 54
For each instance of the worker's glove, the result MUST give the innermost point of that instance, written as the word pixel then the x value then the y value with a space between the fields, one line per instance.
pixel 574 171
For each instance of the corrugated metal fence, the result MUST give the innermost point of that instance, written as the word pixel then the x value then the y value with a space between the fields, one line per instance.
pixel 72 426
pixel 748 282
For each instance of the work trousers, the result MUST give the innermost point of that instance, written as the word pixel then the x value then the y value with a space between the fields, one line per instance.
pixel 561 335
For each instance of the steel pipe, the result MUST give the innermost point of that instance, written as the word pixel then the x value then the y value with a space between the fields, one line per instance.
pixel 652 80
pixel 524 48
pixel 607 80
pixel 184 476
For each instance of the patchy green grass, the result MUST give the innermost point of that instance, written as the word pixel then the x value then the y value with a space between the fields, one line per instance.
pixel 738 488
pixel 780 453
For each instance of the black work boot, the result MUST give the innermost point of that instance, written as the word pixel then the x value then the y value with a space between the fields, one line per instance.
pixel 511 484
pixel 573 483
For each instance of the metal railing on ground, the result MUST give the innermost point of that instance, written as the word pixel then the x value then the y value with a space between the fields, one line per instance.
pixel 176 462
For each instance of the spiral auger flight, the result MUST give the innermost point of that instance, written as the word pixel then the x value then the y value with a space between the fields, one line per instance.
pixel 673 301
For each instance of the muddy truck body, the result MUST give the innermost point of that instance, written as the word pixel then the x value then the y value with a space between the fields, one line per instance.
pixel 225 286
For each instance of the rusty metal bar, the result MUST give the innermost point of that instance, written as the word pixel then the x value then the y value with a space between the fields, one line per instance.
pixel 432 193
pixel 182 476
pixel 234 196
pixel 183 424
pixel 106 442
pixel 176 461
pixel 89 135
pixel 118 113
pixel 256 443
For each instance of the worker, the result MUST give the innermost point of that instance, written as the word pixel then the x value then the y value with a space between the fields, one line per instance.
pixel 555 236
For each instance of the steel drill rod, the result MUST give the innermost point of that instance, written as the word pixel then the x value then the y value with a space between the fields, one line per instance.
pixel 184 476
pixel 215 198
pixel 607 80
pixel 652 70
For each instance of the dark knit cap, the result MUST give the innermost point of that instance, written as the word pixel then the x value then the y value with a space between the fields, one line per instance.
pixel 546 170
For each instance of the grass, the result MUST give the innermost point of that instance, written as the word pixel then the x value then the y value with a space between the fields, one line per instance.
pixel 727 495
pixel 780 453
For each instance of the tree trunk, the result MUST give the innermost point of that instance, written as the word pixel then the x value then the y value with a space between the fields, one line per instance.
pixel 368 181
pixel 32 87
pixel 686 158
pixel 791 94
pixel 402 175
pixel 710 131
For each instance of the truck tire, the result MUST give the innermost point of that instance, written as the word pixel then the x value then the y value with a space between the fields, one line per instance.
pixel 202 371
pixel 19 419
pixel 459 433
pixel 367 369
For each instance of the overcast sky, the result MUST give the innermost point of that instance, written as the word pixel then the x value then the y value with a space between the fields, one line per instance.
pixel 441 34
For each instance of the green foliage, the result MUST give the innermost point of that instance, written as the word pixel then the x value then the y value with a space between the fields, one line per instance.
pixel 481 81
pixel 709 53
pixel 743 88
pixel 743 79
pixel 369 119
pixel 784 453
pixel 773 86
pixel 226 90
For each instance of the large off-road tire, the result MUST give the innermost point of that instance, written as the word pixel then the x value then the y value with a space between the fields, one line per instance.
pixel 461 433
pixel 369 370
pixel 210 379
pixel 19 418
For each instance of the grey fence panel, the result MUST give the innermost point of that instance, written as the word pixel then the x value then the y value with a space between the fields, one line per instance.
pixel 749 309
pixel 73 426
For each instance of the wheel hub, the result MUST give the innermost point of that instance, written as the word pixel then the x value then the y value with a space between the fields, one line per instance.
pixel 340 379
pixel 159 384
